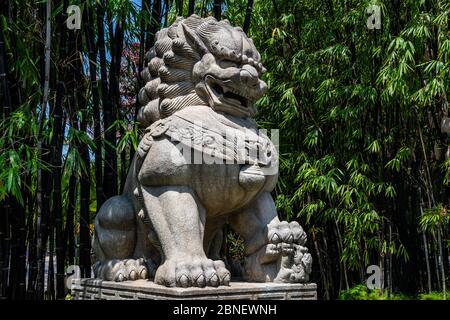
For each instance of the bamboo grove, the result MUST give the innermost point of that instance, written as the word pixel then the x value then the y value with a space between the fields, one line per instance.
pixel 362 114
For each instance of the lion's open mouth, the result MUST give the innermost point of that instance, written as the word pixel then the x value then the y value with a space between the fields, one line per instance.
pixel 227 98
pixel 229 95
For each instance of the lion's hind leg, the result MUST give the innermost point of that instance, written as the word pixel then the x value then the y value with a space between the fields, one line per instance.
pixel 114 242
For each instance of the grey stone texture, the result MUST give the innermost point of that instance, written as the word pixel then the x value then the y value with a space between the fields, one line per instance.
pixel 201 163
pixel 88 289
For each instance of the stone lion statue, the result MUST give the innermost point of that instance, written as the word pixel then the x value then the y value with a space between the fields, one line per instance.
pixel 202 163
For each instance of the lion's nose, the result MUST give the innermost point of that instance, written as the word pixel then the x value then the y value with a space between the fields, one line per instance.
pixel 249 75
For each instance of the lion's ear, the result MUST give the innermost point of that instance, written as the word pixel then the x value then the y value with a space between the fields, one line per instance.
pixel 194 40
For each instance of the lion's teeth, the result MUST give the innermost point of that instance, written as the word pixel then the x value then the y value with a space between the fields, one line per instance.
pixel 237 92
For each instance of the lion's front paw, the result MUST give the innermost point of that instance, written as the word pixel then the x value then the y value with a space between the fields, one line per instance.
pixel 282 237
pixel 287 233
pixel 192 272
pixel 122 270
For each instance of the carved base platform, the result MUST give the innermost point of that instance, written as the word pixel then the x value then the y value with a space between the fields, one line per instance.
pixel 94 289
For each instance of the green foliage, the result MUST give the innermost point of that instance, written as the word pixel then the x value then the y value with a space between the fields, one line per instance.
pixel 434 295
pixel 18 153
pixel 360 292
pixel 359 116
pixel 130 136
pixel 358 110
pixel 235 246
pixel 434 218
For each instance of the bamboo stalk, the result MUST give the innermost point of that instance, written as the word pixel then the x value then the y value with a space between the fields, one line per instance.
pixel 218 9
pixel 31 228
pixel 191 7
pixel 425 245
pixel 321 268
pixel 340 250
pixel 6 247
pixel 69 235
pixel 115 89
pixel 203 11
pixel 14 272
pixel 58 134
pixel 51 268
pixel 6 110
pixel 92 49
pixel 109 182
pixel 22 250
pixel 248 16
pixel 180 7
pixel 85 175
pixel 155 24
pixel 44 179
pixel 441 264
pixel 166 13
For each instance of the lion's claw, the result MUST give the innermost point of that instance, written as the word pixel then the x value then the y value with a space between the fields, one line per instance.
pixel 121 270
pixel 287 233
pixel 192 273
pixel 282 237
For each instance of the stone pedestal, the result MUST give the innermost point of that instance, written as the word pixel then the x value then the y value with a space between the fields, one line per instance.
pixel 93 289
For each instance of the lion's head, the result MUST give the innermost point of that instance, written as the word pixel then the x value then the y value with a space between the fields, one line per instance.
pixel 201 61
